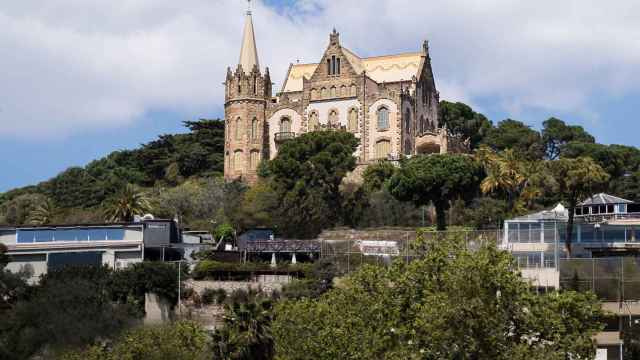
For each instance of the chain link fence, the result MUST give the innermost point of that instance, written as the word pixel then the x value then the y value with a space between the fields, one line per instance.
pixel 611 279
pixel 350 249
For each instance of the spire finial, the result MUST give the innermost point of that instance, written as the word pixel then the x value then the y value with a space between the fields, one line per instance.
pixel 248 7
pixel 249 51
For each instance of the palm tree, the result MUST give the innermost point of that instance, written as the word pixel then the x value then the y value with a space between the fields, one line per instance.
pixel 125 204
pixel 43 213
pixel 508 174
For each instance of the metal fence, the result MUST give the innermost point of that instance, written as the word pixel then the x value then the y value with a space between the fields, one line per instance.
pixel 611 279
pixel 350 250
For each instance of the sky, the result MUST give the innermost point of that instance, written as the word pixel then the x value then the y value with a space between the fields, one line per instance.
pixel 79 79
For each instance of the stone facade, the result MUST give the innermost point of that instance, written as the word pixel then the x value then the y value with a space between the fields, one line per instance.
pixel 389 102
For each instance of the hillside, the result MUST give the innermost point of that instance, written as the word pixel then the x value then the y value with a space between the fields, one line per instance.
pixel 168 161
pixel 181 175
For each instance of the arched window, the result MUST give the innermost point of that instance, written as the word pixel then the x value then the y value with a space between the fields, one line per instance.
pixel 343 91
pixel 255 86
pixel 407 121
pixel 314 122
pixel 329 66
pixel 254 159
pixel 333 91
pixel 238 161
pixel 338 66
pixel 323 92
pixel 383 118
pixel 285 125
pixel 353 120
pixel 334 121
pixel 422 127
pixel 238 129
pixel 354 90
pixel 383 149
pixel 228 158
pixel 314 94
pixel 254 129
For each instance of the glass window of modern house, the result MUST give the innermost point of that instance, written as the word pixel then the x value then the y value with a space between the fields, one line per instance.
pixel 549 232
pixel 622 208
pixel 549 260
pixel 610 209
pixel 524 234
pixel 613 233
pixel 527 259
pixel 578 211
pixel 68 235
pixel 512 232
pixel 535 231
pixel 25 236
pixel 587 234
pixel 115 234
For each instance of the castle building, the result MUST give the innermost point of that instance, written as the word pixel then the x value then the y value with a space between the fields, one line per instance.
pixel 388 102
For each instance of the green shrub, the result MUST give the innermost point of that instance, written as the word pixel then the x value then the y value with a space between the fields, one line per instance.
pixel 211 296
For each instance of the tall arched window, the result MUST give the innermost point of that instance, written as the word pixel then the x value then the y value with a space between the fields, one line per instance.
pixel 254 159
pixel 407 121
pixel 338 66
pixel 238 161
pixel 354 90
pixel 314 94
pixel 314 122
pixel 334 121
pixel 323 93
pixel 285 125
pixel 254 129
pixel 343 91
pixel 238 129
pixel 353 120
pixel 333 91
pixel 383 118
pixel 383 148
pixel 329 66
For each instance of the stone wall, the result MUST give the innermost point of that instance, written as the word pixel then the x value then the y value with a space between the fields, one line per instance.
pixel 267 283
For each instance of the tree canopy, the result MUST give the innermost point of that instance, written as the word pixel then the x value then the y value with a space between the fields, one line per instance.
pixel 460 119
pixel 436 179
pixel 513 134
pixel 451 302
pixel 306 174
pixel 556 134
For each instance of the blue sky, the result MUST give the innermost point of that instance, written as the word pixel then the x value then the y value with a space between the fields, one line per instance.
pixel 86 78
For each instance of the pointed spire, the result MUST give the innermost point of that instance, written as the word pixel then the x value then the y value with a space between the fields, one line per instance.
pixel 248 52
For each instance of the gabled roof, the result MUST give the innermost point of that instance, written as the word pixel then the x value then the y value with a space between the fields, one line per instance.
pixel 389 68
pixel 604 199
pixel 559 213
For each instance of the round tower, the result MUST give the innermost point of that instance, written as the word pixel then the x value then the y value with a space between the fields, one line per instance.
pixel 247 92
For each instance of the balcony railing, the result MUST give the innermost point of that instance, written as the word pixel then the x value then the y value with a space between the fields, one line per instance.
pixel 597 218
pixel 283 136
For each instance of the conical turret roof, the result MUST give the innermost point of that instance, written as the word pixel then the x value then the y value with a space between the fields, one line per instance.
pixel 248 51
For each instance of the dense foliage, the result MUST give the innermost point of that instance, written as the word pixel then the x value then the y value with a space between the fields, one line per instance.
pixel 74 306
pixel 436 179
pixel 450 303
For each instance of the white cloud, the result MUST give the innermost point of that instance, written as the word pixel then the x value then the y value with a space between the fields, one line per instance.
pixel 75 65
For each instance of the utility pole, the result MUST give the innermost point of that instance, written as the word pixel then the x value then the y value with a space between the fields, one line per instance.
pixel 179 286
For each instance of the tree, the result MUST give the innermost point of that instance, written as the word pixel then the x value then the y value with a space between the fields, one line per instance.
pixel 575 180
pixel 376 175
pixel 16 211
pixel 182 340
pixel 437 179
pixel 460 119
pixel 43 214
pixel 450 302
pixel 631 339
pixel 127 203
pixel 513 134
pixel 246 332
pixel 556 134
pixel 70 307
pixel 306 175
pixel 519 180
